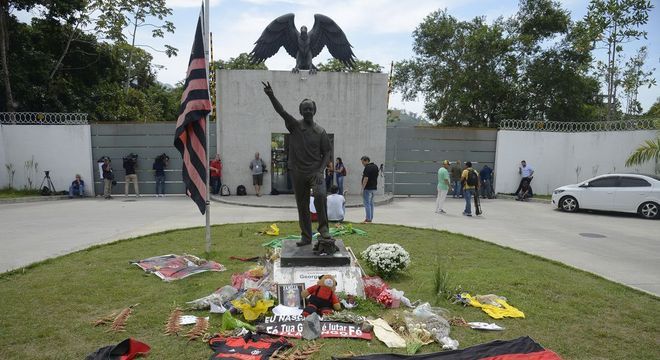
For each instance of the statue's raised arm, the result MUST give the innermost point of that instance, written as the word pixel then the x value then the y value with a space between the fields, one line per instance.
pixel 289 120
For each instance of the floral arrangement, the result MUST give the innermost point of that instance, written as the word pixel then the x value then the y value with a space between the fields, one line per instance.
pixel 253 304
pixel 386 259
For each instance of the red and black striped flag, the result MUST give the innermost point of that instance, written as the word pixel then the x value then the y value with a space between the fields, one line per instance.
pixel 190 134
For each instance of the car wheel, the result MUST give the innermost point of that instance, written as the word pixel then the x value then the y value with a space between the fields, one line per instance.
pixel 649 210
pixel 568 204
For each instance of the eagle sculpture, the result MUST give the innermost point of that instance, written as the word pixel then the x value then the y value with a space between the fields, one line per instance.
pixel 303 45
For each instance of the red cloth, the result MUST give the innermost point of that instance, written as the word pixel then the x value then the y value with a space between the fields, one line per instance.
pixel 218 165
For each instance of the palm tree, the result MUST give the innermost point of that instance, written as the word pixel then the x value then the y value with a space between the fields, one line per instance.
pixel 650 150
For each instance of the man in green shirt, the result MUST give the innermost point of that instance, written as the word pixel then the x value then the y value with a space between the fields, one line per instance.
pixel 443 187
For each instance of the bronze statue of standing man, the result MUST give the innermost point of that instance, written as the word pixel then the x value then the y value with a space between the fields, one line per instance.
pixel 309 152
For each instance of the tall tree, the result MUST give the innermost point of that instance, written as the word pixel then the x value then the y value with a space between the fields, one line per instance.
pixel 6 8
pixel 553 82
pixel 359 66
pixel 611 24
pixel 634 77
pixel 117 16
pixel 461 67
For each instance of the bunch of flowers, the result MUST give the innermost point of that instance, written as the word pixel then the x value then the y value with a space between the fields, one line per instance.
pixel 386 259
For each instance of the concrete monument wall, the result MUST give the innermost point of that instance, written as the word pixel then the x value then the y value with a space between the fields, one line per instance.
pixel 351 106
pixel 65 150
pixel 565 158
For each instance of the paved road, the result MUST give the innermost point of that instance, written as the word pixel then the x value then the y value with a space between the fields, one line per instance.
pixel 629 252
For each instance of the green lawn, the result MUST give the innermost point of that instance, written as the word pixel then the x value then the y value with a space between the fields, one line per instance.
pixel 8 193
pixel 47 308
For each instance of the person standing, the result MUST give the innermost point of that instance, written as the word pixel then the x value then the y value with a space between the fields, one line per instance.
pixel 369 186
pixel 159 165
pixel 340 170
pixel 329 175
pixel 216 174
pixel 443 187
pixel 486 176
pixel 456 179
pixel 470 182
pixel 527 175
pixel 77 187
pixel 108 177
pixel 130 164
pixel 258 168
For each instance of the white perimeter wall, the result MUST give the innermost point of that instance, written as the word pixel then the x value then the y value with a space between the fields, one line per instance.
pixel 565 158
pixel 4 179
pixel 352 106
pixel 65 150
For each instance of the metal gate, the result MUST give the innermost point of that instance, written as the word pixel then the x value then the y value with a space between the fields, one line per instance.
pixel 414 155
pixel 147 141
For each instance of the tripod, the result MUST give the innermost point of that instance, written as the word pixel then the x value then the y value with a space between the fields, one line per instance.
pixel 48 182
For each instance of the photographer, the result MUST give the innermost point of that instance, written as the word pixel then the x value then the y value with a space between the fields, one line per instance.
pixel 160 163
pixel 108 178
pixel 130 164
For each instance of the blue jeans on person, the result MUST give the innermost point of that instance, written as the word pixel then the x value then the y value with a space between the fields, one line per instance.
pixel 368 201
pixel 216 183
pixel 160 184
pixel 340 184
pixel 457 188
pixel 486 189
pixel 80 191
pixel 467 195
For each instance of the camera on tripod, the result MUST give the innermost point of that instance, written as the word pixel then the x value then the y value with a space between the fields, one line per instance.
pixel 48 188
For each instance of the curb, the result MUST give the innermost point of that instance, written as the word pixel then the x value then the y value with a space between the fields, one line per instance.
pixel 511 197
pixel 29 199
pixel 223 200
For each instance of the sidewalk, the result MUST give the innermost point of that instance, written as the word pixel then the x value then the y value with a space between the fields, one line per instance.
pixel 628 253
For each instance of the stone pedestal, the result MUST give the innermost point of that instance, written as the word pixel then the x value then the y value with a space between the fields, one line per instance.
pixel 293 255
pixel 300 265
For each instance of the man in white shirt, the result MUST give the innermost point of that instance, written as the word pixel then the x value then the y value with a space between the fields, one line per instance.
pixel 527 175
pixel 336 205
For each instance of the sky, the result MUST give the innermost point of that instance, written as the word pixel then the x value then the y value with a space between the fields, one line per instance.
pixel 379 30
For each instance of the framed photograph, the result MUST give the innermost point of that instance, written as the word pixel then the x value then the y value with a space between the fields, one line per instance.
pixel 291 295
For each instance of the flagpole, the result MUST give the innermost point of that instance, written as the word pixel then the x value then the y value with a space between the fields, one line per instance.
pixel 207 10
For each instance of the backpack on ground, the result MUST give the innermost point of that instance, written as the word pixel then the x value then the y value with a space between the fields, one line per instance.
pixel 472 178
pixel 224 190
pixel 240 190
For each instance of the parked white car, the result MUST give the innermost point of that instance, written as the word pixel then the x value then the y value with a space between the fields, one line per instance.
pixel 631 193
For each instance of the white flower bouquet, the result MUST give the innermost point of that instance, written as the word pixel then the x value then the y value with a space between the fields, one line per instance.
pixel 386 259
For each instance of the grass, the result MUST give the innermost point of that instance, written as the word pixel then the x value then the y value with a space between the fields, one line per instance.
pixel 9 193
pixel 47 308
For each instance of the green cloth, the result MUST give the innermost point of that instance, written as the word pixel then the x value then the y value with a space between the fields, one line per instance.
pixel 443 177
pixel 334 231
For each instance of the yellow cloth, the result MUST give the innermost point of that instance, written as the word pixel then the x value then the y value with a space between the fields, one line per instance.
pixel 252 312
pixel 274 230
pixel 493 311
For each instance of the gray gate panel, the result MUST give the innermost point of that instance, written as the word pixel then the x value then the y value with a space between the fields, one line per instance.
pixel 414 155
pixel 147 141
